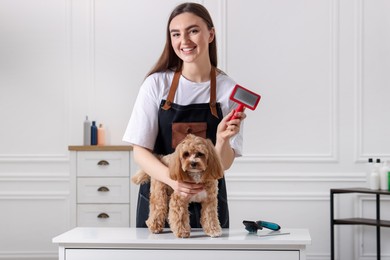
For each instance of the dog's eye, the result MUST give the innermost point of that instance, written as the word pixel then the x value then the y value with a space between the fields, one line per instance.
pixel 199 154
pixel 186 155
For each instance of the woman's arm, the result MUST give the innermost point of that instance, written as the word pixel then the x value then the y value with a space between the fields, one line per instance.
pixel 149 163
pixel 157 170
pixel 226 130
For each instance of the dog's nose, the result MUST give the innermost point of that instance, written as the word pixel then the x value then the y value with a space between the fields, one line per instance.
pixel 194 164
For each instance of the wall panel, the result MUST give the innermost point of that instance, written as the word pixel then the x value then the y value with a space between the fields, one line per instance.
pixel 35 60
pixel 290 51
pixel 373 57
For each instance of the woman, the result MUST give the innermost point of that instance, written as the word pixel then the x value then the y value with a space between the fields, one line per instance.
pixel 184 87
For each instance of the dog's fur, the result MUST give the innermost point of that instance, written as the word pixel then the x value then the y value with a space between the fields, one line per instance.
pixel 194 160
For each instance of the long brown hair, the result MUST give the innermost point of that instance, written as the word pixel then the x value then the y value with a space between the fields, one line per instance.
pixel 168 59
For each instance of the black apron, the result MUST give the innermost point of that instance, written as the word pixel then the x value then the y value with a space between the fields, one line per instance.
pixel 170 113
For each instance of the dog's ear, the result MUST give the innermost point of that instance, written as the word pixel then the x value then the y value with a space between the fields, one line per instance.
pixel 175 169
pixel 214 164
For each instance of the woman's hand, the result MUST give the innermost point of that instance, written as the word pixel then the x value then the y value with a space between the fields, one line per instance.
pixel 187 189
pixel 227 129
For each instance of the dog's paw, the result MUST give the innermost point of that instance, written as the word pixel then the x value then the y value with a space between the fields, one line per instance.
pixel 154 226
pixel 214 232
pixel 182 234
pixel 155 230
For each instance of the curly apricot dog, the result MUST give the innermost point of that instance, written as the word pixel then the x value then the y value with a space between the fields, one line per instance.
pixel 194 160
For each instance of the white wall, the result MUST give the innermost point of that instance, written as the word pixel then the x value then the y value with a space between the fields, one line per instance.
pixel 321 67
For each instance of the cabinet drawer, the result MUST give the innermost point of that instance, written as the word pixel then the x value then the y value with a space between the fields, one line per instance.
pixel 103 215
pixel 119 254
pixel 103 164
pixel 103 190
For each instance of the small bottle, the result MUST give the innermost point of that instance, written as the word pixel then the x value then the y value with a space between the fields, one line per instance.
pixel 87 132
pixel 374 180
pixel 369 168
pixel 388 179
pixel 384 176
pixel 374 176
pixel 101 135
pixel 93 133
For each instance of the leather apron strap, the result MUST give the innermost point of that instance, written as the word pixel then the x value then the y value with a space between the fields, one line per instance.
pixel 213 91
pixel 172 90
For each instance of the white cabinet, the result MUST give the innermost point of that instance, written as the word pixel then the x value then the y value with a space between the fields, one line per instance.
pixel 100 186
pixel 140 244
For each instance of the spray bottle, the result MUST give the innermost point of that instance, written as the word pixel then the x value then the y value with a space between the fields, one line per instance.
pixel 87 132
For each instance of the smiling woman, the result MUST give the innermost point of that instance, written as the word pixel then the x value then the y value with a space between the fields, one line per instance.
pixel 184 93
pixel 190 38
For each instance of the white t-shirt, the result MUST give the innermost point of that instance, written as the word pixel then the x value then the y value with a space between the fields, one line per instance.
pixel 142 128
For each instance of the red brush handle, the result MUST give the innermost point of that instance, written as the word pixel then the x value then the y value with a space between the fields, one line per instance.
pixel 240 108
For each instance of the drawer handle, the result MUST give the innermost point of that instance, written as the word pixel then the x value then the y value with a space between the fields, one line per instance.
pixel 103 215
pixel 103 163
pixel 103 189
